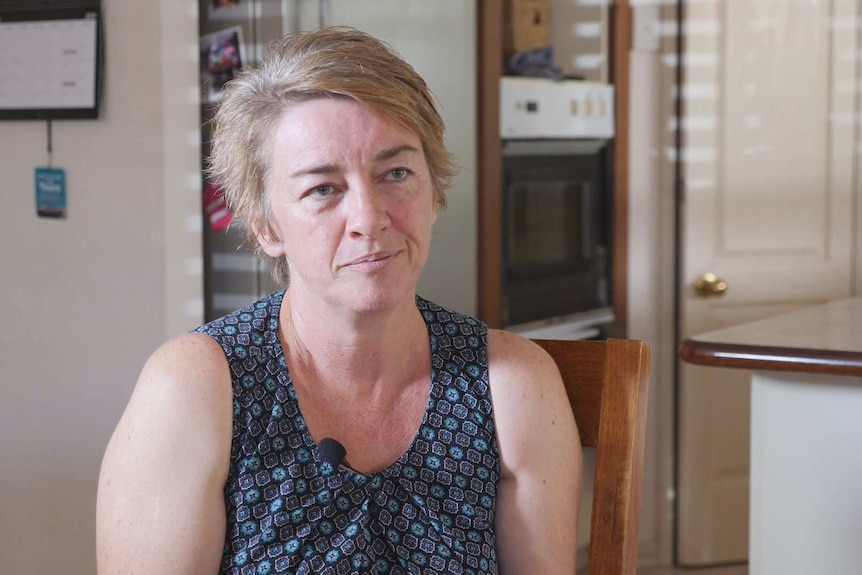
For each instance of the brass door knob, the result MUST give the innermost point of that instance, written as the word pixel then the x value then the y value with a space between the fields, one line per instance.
pixel 709 285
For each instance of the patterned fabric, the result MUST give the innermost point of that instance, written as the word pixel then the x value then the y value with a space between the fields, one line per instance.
pixel 288 511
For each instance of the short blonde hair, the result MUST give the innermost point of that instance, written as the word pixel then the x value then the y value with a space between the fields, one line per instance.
pixel 331 61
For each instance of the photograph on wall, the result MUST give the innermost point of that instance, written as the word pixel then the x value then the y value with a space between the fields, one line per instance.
pixel 221 59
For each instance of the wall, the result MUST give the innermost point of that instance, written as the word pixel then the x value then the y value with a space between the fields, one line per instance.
pixel 89 297
pixel 651 264
pixel 579 33
pixel 650 297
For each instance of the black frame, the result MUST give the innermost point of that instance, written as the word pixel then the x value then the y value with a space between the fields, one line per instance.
pixel 58 10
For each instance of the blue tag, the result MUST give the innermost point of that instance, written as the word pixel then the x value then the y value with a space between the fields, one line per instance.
pixel 51 192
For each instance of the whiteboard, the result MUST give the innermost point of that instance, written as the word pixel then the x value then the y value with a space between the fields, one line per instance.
pixel 49 65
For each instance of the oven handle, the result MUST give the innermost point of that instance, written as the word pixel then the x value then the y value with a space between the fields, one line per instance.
pixel 552 147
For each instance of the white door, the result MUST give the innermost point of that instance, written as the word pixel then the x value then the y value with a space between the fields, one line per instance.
pixel 767 164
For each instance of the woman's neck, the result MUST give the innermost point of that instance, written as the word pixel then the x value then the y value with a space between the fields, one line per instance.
pixel 353 352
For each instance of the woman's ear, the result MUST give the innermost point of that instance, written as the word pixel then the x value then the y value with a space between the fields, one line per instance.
pixel 267 238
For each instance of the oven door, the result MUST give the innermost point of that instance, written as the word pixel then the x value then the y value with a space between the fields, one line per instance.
pixel 556 220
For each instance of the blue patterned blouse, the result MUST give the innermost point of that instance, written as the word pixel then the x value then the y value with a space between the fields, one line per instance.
pixel 288 511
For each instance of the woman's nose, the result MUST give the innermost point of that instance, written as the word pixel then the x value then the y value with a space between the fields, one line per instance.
pixel 367 210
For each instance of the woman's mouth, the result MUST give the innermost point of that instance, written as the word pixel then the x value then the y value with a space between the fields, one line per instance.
pixel 372 261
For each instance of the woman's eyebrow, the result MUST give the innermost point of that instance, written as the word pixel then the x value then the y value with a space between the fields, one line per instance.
pixel 386 154
pixel 315 170
pixel 392 152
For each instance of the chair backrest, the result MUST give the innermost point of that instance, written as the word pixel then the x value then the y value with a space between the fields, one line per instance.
pixel 607 383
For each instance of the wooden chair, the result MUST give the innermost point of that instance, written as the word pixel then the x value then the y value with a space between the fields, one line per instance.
pixel 607 383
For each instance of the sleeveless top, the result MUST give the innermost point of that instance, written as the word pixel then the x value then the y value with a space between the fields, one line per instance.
pixel 289 511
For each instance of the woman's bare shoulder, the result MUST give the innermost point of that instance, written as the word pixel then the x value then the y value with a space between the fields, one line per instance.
pixel 183 395
pixel 186 362
pixel 540 457
pixel 511 355
pixel 530 402
pixel 171 446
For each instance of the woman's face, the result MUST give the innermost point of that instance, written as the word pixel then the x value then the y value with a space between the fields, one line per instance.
pixel 352 205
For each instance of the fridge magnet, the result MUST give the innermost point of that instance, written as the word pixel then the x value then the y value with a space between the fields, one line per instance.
pixel 221 58
pixel 229 10
pixel 215 208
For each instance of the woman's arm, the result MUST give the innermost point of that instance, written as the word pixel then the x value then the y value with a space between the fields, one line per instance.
pixel 160 503
pixel 540 459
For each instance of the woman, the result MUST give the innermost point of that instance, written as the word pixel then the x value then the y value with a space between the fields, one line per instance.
pixel 463 452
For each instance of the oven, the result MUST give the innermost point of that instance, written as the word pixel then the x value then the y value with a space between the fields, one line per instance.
pixel 556 210
pixel 556 213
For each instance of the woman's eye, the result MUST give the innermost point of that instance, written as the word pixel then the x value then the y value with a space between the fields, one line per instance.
pixel 322 191
pixel 398 173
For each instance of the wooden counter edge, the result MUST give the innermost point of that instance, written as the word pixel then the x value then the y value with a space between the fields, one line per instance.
pixel 769 358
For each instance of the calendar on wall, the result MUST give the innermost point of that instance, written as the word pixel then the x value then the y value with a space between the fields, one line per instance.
pixel 50 62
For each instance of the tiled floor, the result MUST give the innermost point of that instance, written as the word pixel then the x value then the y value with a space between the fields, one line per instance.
pixel 725 570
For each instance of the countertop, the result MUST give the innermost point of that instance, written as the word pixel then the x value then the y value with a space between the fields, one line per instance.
pixel 824 338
